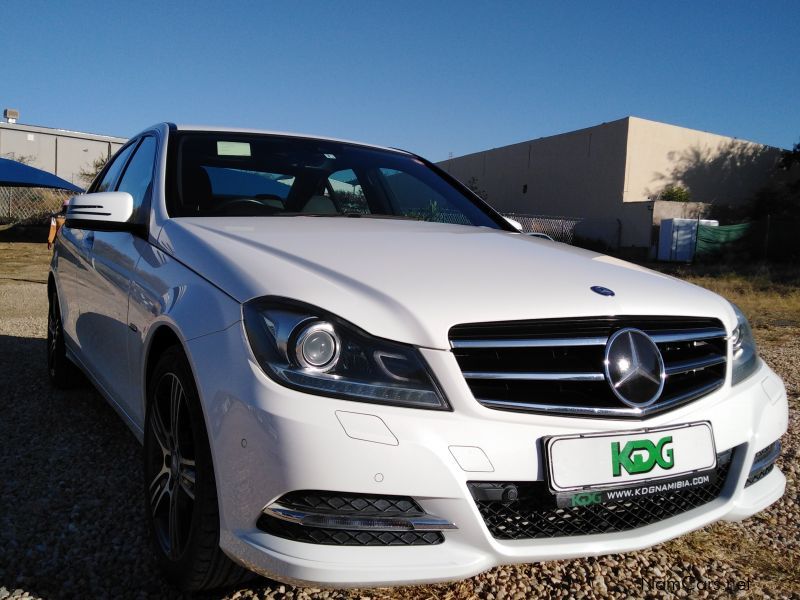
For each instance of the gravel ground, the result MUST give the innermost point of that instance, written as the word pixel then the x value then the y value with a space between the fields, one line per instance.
pixel 71 523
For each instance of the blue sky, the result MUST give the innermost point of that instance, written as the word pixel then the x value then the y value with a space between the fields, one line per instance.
pixel 432 77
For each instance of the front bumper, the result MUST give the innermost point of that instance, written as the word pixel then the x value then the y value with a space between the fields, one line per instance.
pixel 268 440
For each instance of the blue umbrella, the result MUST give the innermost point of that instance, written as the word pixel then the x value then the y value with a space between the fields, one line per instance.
pixel 15 174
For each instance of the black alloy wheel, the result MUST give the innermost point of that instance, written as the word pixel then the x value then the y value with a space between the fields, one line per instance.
pixel 179 484
pixel 171 489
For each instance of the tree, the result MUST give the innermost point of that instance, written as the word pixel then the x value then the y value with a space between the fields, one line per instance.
pixel 675 193
pixel 790 158
pixel 781 197
pixel 88 174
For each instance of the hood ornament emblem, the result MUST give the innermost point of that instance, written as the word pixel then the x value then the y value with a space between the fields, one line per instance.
pixel 603 291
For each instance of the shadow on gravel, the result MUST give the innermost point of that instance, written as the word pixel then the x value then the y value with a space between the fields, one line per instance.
pixel 24 233
pixel 71 523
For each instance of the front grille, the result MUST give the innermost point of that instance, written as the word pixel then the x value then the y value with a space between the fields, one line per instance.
pixel 534 513
pixel 356 506
pixel 556 365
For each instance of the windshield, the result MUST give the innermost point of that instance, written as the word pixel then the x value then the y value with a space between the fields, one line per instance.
pixel 233 174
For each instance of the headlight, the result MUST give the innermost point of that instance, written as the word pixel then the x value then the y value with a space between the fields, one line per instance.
pixel 308 349
pixel 317 346
pixel 743 347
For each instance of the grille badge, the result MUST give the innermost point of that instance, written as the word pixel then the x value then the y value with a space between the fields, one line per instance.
pixel 634 368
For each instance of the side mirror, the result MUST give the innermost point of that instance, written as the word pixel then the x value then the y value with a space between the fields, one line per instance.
pixel 515 224
pixel 102 211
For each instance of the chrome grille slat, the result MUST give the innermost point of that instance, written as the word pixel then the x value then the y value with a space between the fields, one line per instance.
pixel 566 356
pixel 565 409
pixel 523 376
pixel 687 336
pixel 601 412
pixel 694 365
pixel 529 343
pixel 658 338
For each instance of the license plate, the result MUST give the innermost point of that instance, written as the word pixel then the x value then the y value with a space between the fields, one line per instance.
pixel 608 460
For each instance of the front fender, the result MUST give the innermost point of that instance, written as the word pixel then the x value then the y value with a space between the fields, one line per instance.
pixel 165 293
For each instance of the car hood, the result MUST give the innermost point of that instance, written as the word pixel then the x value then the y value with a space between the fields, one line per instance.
pixel 411 281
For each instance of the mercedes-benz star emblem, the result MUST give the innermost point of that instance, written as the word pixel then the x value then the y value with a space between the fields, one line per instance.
pixel 634 367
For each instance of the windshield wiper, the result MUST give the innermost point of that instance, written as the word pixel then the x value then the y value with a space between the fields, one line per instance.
pixel 377 216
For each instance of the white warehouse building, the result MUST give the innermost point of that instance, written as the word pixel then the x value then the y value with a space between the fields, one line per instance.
pixel 58 151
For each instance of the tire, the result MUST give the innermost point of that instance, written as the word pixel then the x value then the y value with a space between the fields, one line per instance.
pixel 179 485
pixel 61 370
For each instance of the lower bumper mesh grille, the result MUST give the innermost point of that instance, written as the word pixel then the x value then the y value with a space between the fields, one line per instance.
pixel 534 513
pixel 345 537
pixel 349 506
pixel 759 475
pixel 763 463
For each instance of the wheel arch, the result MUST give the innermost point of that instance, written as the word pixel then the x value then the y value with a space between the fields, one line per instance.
pixel 162 338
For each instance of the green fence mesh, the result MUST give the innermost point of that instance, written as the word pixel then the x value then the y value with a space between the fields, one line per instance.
pixel 768 238
pixel 715 240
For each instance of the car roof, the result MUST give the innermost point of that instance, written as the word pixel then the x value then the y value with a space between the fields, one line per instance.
pixel 218 129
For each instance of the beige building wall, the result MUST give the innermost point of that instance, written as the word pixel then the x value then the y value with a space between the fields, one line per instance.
pixel 574 174
pixel 714 168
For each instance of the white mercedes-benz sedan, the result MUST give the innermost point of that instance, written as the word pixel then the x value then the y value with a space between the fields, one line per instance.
pixel 348 370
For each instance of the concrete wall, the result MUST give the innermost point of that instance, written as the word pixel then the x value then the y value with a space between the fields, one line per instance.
pixel 63 153
pixel 714 168
pixel 578 174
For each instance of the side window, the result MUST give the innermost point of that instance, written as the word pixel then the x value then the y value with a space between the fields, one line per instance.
pixel 138 176
pixel 414 198
pixel 347 192
pixel 106 184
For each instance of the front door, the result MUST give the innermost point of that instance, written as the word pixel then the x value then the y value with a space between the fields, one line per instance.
pixel 103 323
